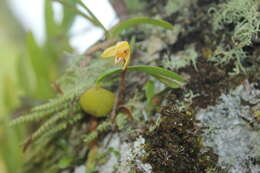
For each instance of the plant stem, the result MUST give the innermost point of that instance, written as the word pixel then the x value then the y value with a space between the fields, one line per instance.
pixel 122 87
pixel 120 96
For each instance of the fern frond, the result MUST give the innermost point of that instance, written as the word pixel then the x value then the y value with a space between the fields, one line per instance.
pixel 90 137
pixel 58 128
pixel 49 136
pixel 104 126
pixel 33 116
pixel 50 122
pixel 56 103
pixel 75 119
pixel 30 117
pixel 63 125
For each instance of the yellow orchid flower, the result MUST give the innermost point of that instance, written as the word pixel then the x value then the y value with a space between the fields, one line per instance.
pixel 121 53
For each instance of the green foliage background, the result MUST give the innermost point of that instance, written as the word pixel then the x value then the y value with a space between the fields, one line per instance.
pixel 26 73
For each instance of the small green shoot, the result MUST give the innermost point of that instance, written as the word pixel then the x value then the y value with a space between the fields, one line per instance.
pixel 149 89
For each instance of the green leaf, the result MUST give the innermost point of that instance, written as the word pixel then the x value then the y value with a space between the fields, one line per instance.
pixel 40 64
pixel 170 78
pixel 36 55
pixel 25 76
pixel 97 21
pixel 10 93
pixel 116 30
pixel 149 93
pixel 51 27
pixel 149 90
pixel 68 16
pixel 77 11
pixel 10 150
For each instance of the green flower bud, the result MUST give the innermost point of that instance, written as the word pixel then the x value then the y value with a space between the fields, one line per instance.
pixel 97 101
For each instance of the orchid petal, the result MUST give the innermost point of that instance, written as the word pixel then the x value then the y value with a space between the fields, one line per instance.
pixel 109 52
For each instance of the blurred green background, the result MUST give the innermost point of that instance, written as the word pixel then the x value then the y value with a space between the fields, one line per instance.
pixel 27 71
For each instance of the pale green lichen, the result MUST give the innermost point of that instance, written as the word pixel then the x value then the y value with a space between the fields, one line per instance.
pixel 243 15
pixel 240 21
pixel 121 121
pixel 228 130
pixel 182 59
pixel 223 56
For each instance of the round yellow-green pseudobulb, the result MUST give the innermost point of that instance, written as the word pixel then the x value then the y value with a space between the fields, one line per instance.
pixel 97 101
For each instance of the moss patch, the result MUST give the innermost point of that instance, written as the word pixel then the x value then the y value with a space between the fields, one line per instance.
pixel 175 147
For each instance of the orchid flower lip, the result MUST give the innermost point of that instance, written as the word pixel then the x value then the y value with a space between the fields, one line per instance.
pixel 119 60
